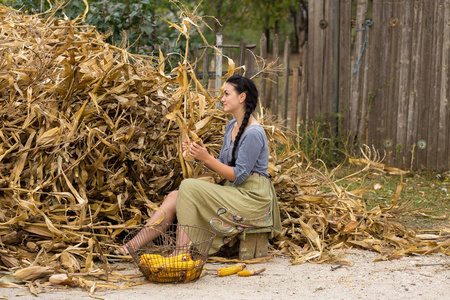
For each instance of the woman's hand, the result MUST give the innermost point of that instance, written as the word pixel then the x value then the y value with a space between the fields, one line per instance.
pixel 199 151
pixel 185 144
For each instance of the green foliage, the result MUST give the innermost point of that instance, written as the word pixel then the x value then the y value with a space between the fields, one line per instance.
pixel 249 18
pixel 270 11
pixel 72 9
pixel 139 20
pixel 143 21
pixel 135 18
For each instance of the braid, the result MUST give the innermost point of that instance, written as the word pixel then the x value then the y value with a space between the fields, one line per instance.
pixel 243 85
pixel 248 112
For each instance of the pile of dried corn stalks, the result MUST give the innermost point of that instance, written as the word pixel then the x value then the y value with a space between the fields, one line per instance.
pixel 90 143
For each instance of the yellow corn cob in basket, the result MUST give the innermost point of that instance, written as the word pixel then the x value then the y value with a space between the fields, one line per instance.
pixel 170 269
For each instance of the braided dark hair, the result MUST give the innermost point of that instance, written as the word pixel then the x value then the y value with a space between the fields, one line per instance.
pixel 243 85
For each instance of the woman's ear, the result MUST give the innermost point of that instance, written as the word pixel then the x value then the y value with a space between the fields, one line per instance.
pixel 242 97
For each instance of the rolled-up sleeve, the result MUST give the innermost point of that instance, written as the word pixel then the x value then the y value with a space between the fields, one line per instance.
pixel 248 152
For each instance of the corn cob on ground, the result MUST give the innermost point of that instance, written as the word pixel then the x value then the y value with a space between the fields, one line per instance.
pixel 230 270
pixel 251 272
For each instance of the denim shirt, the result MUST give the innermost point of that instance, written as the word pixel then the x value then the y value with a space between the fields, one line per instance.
pixel 252 153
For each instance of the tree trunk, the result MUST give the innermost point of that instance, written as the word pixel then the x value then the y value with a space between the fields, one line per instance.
pixel 267 33
pixel 217 28
pixel 300 17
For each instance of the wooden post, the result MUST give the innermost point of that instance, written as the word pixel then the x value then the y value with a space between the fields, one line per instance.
pixel 262 88
pixel 218 63
pixel 356 77
pixel 345 70
pixel 316 53
pixel 274 100
pixel 334 17
pixel 416 58
pixel 303 103
pixel 404 86
pixel 287 51
pixel 294 100
pixel 206 68
pixel 195 52
pixel 443 151
pixel 425 84
pixel 241 55
pixel 250 61
pixel 323 58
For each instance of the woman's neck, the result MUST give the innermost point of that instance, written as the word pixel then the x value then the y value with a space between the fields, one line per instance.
pixel 239 122
pixel 239 118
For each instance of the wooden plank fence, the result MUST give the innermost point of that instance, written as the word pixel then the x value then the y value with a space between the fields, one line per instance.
pixel 393 75
pixel 379 74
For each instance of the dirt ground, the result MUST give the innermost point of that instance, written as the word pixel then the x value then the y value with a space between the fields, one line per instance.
pixel 419 277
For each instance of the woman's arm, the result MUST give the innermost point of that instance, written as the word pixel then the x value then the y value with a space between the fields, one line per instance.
pixel 199 151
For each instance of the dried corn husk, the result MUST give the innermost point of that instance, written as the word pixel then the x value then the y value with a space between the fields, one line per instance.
pixel 30 273
pixel 90 143
pixel 63 279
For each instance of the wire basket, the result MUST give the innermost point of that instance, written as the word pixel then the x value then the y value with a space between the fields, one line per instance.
pixel 176 253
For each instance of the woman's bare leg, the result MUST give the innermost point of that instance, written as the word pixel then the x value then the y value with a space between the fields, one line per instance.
pixel 146 235
pixel 182 237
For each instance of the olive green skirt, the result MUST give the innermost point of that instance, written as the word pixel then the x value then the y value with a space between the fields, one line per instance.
pixel 229 209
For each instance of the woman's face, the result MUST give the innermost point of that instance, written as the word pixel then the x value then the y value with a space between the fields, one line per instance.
pixel 231 100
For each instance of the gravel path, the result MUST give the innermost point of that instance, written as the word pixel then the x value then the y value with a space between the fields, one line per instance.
pixel 420 277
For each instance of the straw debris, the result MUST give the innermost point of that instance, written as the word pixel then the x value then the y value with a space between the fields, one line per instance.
pixel 90 143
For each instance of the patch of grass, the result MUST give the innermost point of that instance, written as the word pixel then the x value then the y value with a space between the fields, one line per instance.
pixel 424 199
pixel 319 140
